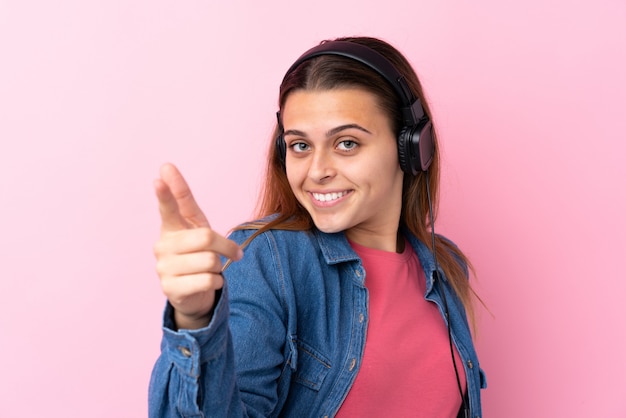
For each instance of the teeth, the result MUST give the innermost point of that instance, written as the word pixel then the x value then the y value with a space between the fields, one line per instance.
pixel 327 197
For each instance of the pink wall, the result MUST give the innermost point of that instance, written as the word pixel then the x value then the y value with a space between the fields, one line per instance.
pixel 94 96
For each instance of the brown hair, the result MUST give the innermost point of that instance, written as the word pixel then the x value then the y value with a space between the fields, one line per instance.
pixel 329 72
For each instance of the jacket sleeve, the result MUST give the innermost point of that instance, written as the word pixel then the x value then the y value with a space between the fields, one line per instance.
pixel 195 375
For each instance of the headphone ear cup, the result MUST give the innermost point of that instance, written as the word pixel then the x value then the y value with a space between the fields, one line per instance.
pixel 416 147
pixel 404 154
pixel 281 148
pixel 426 145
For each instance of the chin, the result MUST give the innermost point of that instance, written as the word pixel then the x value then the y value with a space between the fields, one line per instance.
pixel 329 228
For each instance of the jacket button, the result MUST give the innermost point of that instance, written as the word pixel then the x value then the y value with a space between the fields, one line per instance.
pixel 470 364
pixel 352 364
pixel 361 318
pixel 185 351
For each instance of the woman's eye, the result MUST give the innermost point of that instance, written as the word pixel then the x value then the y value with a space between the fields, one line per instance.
pixel 347 145
pixel 299 147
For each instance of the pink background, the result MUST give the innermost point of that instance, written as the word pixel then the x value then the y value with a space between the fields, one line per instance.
pixel 529 98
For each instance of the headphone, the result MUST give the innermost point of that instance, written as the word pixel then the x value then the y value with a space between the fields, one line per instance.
pixel 415 140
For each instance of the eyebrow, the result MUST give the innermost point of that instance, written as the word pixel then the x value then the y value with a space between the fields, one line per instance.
pixel 333 131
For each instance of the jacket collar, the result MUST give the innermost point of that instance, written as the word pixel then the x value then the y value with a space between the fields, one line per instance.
pixel 336 249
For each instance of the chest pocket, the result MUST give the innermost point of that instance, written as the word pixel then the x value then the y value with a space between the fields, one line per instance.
pixel 311 367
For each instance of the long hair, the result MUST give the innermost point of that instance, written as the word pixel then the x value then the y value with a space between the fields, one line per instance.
pixel 328 72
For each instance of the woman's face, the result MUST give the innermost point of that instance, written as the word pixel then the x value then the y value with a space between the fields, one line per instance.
pixel 342 163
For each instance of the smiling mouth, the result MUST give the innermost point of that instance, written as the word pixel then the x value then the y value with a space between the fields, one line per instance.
pixel 328 197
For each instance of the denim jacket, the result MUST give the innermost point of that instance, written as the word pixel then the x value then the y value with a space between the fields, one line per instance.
pixel 287 334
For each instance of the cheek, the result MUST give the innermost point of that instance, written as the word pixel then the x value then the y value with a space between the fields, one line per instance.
pixel 386 162
pixel 386 174
pixel 294 176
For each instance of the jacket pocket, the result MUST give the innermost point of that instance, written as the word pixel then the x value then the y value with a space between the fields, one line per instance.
pixel 311 366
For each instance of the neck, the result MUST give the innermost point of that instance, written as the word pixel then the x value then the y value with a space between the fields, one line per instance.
pixel 391 242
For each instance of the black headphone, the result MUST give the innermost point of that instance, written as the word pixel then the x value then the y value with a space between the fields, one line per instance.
pixel 415 141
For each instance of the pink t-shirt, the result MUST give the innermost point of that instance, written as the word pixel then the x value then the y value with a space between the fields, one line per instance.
pixel 407 368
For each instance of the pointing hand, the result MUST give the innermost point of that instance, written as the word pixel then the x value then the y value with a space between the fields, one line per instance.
pixel 188 252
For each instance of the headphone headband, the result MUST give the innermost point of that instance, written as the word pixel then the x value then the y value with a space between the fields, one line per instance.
pixel 412 111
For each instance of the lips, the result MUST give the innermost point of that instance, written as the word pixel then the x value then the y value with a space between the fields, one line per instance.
pixel 328 197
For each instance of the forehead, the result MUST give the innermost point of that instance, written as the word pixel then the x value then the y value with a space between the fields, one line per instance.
pixel 335 103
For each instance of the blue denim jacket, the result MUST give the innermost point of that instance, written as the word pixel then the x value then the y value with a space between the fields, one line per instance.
pixel 287 335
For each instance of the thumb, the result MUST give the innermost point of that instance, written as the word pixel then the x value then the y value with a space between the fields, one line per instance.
pixel 186 204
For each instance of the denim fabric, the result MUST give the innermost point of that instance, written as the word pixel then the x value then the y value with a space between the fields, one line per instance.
pixel 287 335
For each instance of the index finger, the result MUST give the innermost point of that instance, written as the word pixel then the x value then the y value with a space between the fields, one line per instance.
pixel 171 219
pixel 187 206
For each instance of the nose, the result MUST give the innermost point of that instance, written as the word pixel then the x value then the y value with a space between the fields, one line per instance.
pixel 322 166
